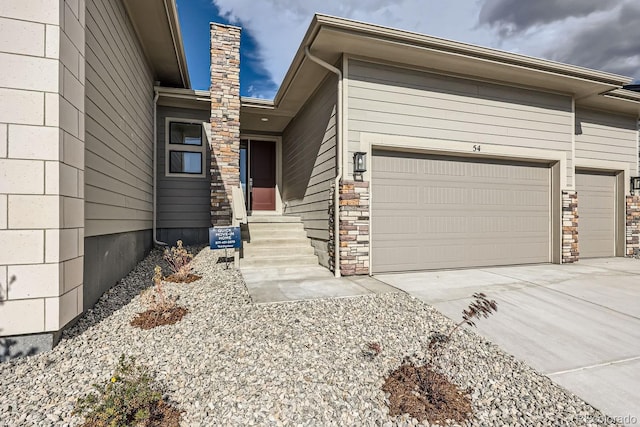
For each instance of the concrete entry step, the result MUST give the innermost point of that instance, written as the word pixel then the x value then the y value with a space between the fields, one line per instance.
pixel 276 241
pixel 287 250
pixel 256 219
pixel 268 234
pixel 278 261
pixel 275 226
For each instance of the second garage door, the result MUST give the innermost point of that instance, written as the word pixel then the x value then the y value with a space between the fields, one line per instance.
pixel 596 214
pixel 444 212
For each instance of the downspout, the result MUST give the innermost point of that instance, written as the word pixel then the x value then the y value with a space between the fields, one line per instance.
pixel 336 193
pixel 155 167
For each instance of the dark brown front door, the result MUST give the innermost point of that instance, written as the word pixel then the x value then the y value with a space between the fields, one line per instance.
pixel 263 175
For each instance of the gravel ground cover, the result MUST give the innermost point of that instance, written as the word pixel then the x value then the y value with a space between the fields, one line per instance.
pixel 230 362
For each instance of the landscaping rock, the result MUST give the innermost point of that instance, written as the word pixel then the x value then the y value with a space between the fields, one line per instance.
pixel 230 362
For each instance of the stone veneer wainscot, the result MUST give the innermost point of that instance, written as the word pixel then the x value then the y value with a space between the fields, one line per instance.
pixel 354 229
pixel 633 225
pixel 570 249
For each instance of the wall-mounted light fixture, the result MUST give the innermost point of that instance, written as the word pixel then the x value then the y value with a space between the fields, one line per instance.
pixel 635 184
pixel 359 164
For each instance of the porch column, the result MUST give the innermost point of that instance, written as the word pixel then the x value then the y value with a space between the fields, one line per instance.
pixel 225 120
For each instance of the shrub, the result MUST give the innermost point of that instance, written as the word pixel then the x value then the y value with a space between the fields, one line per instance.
pixel 179 260
pixel 163 309
pixel 425 393
pixel 481 306
pixel 130 397
pixel 156 297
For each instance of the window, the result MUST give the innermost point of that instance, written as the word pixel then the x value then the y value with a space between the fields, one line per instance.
pixel 185 162
pixel 185 149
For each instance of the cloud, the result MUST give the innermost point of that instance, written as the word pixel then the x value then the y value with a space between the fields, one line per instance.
pixel 278 26
pixel 514 16
pixel 598 34
pixel 611 43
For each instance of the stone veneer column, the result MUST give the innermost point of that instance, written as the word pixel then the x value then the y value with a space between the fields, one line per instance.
pixel 225 120
pixel 41 168
pixel 570 250
pixel 633 226
pixel 354 229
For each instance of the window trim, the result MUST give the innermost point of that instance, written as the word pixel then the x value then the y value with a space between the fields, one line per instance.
pixel 168 147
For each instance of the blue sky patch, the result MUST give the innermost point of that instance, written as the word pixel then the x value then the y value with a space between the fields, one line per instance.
pixel 195 16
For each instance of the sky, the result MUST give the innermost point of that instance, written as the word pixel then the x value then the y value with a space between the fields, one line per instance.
pixel 599 34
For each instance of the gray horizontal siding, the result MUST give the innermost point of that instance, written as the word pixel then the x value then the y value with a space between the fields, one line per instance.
pixel 606 136
pixel 118 124
pixel 396 101
pixel 309 160
pixel 183 202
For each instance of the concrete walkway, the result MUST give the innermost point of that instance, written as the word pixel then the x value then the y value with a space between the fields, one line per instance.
pixel 279 284
pixel 579 323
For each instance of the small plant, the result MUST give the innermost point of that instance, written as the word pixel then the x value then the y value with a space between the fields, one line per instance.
pixel 130 397
pixel 163 309
pixel 179 261
pixel 425 393
pixel 481 306
pixel 156 297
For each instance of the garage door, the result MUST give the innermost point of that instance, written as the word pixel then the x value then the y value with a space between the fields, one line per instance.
pixel 596 214
pixel 444 212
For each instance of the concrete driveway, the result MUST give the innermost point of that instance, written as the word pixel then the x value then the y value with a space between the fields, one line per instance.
pixel 579 323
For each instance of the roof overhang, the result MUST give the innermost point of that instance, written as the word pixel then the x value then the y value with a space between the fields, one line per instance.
pixel 260 115
pixel 255 114
pixel 184 98
pixel 330 37
pixel 619 100
pixel 158 29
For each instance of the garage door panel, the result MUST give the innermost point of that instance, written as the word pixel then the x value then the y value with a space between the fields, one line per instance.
pixel 392 226
pixel 480 214
pixel 411 258
pixel 596 214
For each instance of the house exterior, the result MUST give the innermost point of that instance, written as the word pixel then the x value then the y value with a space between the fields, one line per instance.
pixel 468 156
pixel 475 157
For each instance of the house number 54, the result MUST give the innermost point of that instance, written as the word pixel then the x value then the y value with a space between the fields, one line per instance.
pixel 476 148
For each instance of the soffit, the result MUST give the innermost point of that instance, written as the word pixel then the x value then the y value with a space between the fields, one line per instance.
pixel 260 116
pixel 619 100
pixel 184 98
pixel 158 29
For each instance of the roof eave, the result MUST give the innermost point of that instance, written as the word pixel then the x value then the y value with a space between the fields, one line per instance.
pixel 157 26
pixel 590 81
pixel 174 22
pixel 473 51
